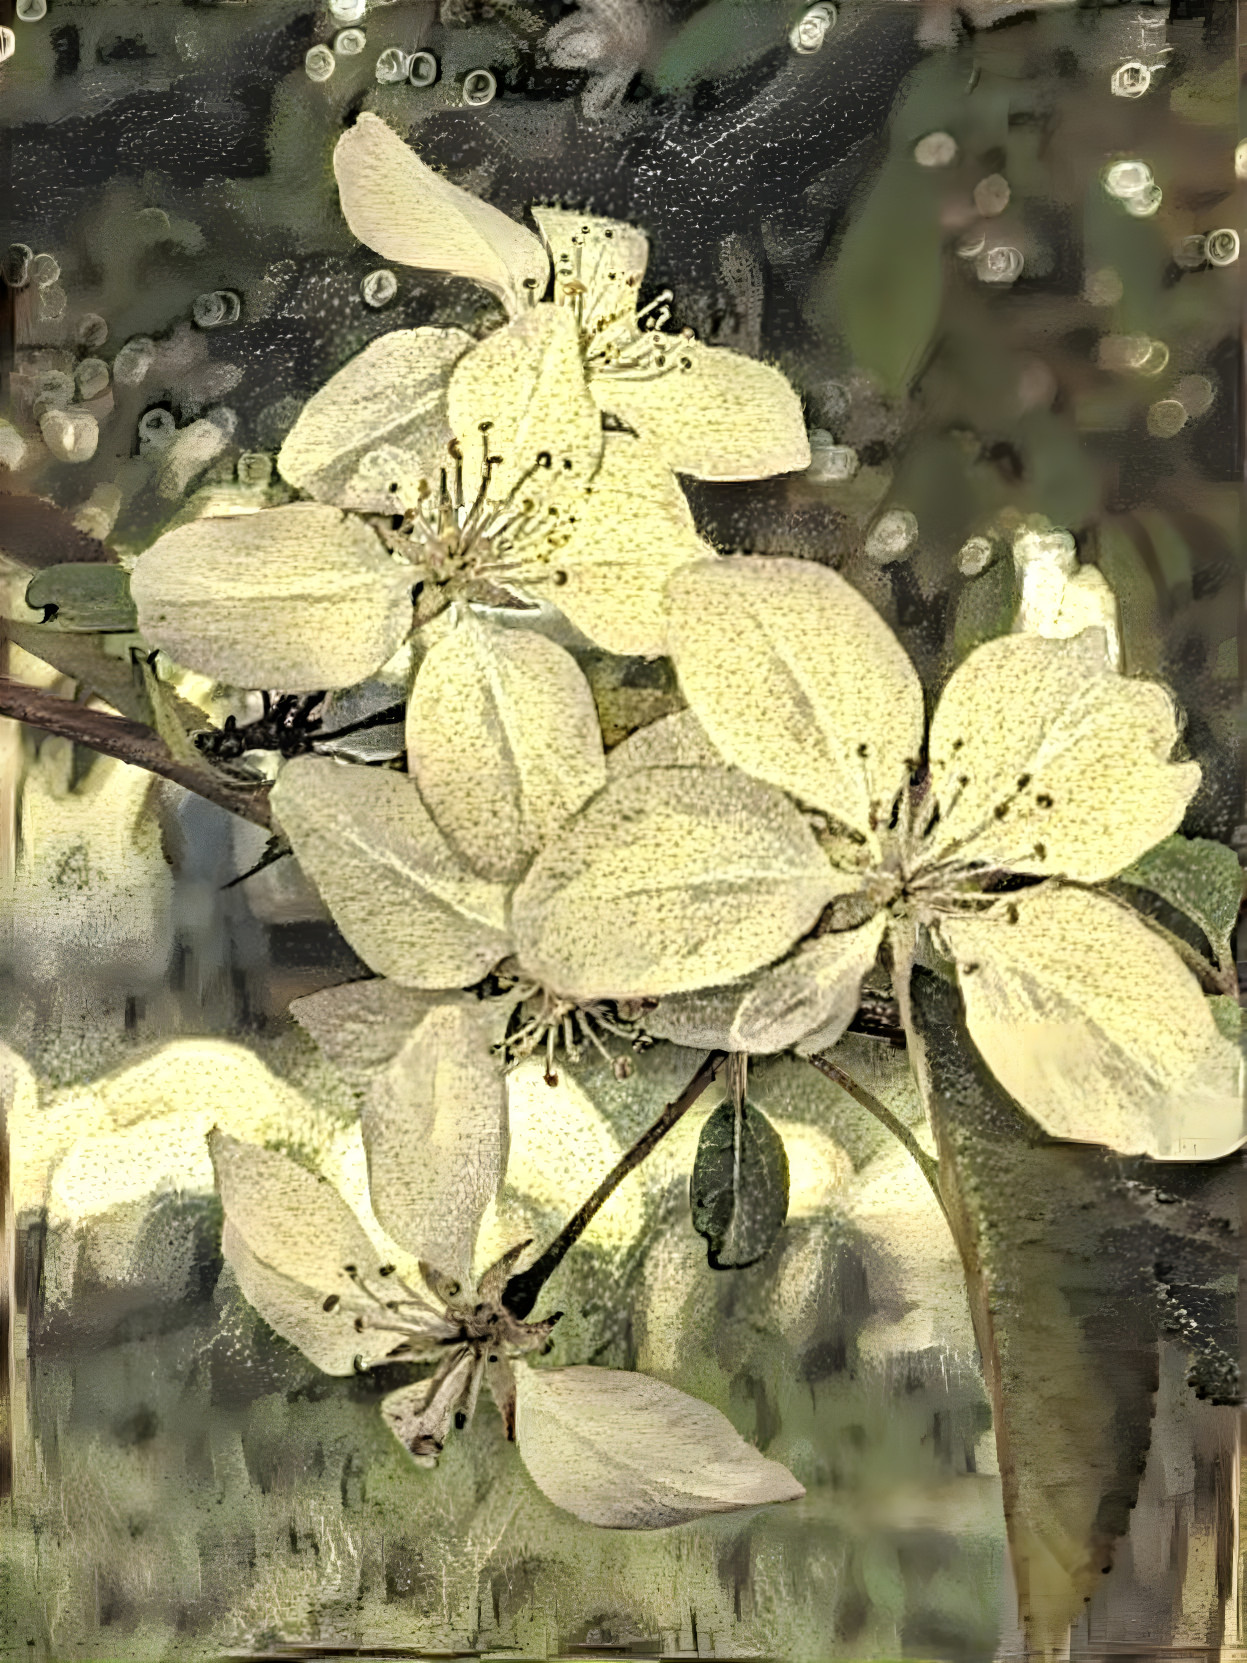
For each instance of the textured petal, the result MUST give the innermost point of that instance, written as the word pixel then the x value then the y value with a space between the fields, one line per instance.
pixel 435 1129
pixel 631 533
pixel 1043 760
pixel 296 1312
pixel 671 878
pixel 606 256
pixel 503 740
pixel 398 206
pixel 723 417
pixel 631 1453
pixel 677 741
pixel 798 680
pixel 813 991
pixel 300 598
pixel 291 1218
pixel 1096 1027
pixel 396 889
pixel 362 1026
pixel 392 394
pixel 521 399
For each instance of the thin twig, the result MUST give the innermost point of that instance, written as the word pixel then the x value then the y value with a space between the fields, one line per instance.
pixel 520 1293
pixel 929 1167
pixel 131 742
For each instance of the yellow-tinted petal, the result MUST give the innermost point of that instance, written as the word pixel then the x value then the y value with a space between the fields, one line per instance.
pixel 299 598
pixel 396 889
pixel 1043 760
pixel 1091 1021
pixel 521 397
pixel 400 207
pixel 631 532
pixel 814 991
pixel 670 878
pixel 392 394
pixel 503 740
pixel 724 416
pixel 597 265
pixel 797 679
pixel 677 741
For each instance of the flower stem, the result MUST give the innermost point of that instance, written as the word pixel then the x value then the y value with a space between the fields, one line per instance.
pixel 130 742
pixel 929 1167
pixel 520 1293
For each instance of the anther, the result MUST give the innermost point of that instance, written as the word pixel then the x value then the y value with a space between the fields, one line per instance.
pixel 1043 799
pixel 1041 852
pixel 385 1270
pixel 1023 781
pixel 1011 913
pixel 1000 810
pixel 331 1304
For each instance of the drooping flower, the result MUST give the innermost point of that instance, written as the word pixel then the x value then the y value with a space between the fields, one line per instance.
pixel 707 411
pixel 388 1276
pixel 1042 775
pixel 473 472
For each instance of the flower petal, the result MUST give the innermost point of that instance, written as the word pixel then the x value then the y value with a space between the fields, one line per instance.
pixel 1091 1021
pixel 291 1218
pixel 296 1312
pixel 725 416
pixel 503 741
pixel 671 878
pixel 797 679
pixel 300 598
pixel 435 1130
pixel 633 530
pixel 521 399
pixel 399 206
pixel 814 991
pixel 1043 760
pixel 631 1453
pixel 606 256
pixel 396 889
pixel 677 741
pixel 362 1026
pixel 392 394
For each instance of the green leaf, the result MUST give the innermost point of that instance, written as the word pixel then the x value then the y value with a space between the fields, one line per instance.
pixel 1200 878
pixel 81 597
pixel 100 665
pixel 888 282
pixel 986 607
pixel 719 38
pixel 739 1188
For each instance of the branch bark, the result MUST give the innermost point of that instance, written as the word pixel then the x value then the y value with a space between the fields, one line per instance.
pixel 130 742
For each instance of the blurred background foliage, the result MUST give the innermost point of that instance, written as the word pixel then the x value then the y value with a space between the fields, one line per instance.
pixel 185 1483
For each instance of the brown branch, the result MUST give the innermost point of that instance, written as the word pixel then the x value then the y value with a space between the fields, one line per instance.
pixel 130 742
pixel 520 1293
pixel 929 1167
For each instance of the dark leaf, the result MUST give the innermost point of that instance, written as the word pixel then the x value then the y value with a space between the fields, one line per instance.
pixel 1200 878
pixel 739 1187
pixel 81 597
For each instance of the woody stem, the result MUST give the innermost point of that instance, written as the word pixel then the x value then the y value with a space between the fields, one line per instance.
pixel 130 742
pixel 520 1293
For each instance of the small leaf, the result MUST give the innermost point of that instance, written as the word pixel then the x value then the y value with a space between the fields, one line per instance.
pixel 83 598
pixel 93 661
pixel 888 282
pixel 1200 878
pixel 739 1188
pixel 631 1453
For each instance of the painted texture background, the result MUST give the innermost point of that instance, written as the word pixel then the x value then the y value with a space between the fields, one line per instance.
pixel 184 1484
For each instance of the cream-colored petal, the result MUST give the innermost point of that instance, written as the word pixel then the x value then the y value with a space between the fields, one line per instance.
pixel 815 990
pixel 521 399
pixel 392 395
pixel 299 598
pixel 503 740
pixel 1045 761
pixel 399 206
pixel 631 1453
pixel 362 1026
pixel 723 416
pixel 435 1129
pixel 677 741
pixel 296 1312
pixel 631 532
pixel 670 878
pixel 1091 1021
pixel 396 889
pixel 797 679
pixel 597 265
